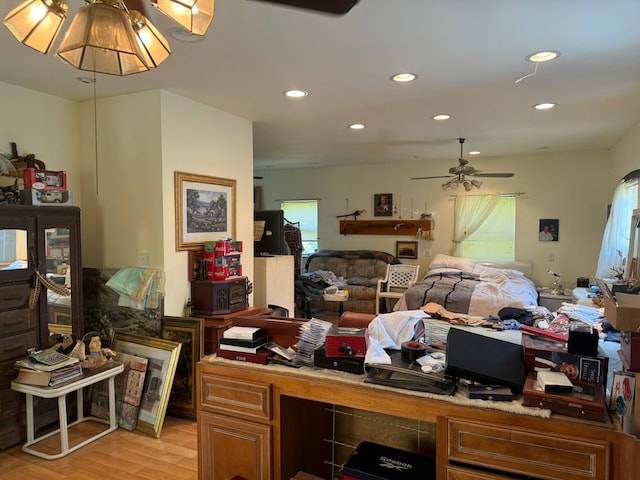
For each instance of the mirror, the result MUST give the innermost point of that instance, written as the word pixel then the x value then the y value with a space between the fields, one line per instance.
pixel 13 249
pixel 58 254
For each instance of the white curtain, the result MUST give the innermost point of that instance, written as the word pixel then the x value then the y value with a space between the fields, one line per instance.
pixel 617 231
pixel 469 213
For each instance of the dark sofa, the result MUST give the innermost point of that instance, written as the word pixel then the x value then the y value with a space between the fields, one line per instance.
pixel 358 272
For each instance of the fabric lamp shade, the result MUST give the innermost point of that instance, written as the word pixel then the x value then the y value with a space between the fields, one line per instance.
pixel 194 15
pixel 36 23
pixel 153 44
pixel 101 39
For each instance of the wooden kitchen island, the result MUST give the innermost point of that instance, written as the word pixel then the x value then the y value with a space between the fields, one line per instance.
pixel 269 422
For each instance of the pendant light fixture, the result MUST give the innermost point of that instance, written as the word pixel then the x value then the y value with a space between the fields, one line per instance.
pixel 101 39
pixel 194 15
pixel 105 36
pixel 36 23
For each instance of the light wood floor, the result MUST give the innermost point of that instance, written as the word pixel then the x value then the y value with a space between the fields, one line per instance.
pixel 119 455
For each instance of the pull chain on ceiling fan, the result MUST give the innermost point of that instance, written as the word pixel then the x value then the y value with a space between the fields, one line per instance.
pixel 459 173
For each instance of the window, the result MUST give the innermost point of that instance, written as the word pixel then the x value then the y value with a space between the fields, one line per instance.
pixel 615 241
pixel 495 238
pixel 306 213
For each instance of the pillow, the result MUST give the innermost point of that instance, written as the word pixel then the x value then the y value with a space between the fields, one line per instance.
pixel 490 274
pixel 447 261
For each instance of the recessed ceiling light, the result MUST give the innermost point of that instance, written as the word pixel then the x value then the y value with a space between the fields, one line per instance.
pixel 296 93
pixel 404 77
pixel 543 56
pixel 356 126
pixel 544 106
pixel 474 152
pixel 442 116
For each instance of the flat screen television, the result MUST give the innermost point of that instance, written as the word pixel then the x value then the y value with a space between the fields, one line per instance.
pixel 272 241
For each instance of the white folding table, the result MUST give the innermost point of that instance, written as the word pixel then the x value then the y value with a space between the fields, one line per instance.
pixel 89 377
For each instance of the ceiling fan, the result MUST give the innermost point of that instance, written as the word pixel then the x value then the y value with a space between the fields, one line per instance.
pixel 459 173
pixel 336 7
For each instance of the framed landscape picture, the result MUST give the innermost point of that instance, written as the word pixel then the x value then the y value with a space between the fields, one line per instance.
pixel 205 209
pixel 162 357
pixel 407 249
pixel 190 333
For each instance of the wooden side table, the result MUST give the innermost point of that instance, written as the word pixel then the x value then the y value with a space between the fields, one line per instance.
pixel 76 385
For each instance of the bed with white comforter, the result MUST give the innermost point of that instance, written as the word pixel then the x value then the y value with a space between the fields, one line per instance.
pixel 463 285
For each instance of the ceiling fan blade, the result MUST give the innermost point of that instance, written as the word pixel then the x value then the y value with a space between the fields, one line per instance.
pixel 495 175
pixel 335 7
pixel 437 176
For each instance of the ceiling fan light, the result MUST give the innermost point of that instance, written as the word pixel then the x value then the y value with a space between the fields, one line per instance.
pixel 152 43
pixel 476 183
pixel 101 39
pixel 194 15
pixel 468 186
pixel 36 23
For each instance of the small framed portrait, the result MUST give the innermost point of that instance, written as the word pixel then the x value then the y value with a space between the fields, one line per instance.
pixel 383 204
pixel 407 250
pixel 548 230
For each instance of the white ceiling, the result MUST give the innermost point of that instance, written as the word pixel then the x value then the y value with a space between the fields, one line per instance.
pixel 467 53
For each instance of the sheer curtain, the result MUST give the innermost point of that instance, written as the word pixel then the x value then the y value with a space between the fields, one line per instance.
pixel 469 213
pixel 617 231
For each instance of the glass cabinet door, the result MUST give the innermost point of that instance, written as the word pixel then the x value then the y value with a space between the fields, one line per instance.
pixel 60 275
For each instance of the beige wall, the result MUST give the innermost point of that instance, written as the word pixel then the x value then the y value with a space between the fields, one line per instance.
pixel 571 187
pixel 129 209
pixel 124 181
pixel 43 125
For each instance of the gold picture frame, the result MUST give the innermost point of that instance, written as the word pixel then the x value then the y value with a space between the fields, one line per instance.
pixel 205 209
pixel 407 249
pixel 163 358
pixel 189 331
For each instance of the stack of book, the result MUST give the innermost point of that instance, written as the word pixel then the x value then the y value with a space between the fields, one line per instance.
pixel 47 368
pixel 247 344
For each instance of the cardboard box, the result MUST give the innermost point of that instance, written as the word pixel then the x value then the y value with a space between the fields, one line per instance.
pixel 224 273
pixel 46 197
pixel 35 179
pixel 372 461
pixel 630 349
pixel 625 317
pixel 227 247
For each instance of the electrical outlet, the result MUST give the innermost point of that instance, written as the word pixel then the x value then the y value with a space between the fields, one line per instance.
pixel 551 257
pixel 145 259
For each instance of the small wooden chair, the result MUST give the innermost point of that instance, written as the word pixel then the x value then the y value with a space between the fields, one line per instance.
pixel 397 280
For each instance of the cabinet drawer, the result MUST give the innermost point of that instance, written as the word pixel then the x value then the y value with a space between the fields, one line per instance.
pixel 14 296
pixel 16 346
pixel 16 320
pixel 461 473
pixel 527 452
pixel 236 397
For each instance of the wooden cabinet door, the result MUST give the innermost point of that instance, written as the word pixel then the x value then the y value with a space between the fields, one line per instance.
pixel 230 447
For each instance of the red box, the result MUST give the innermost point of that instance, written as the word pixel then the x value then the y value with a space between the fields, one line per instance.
pixel 227 247
pixel 223 273
pixel 44 179
pixel 346 342
pixel 231 261
pixel 630 349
